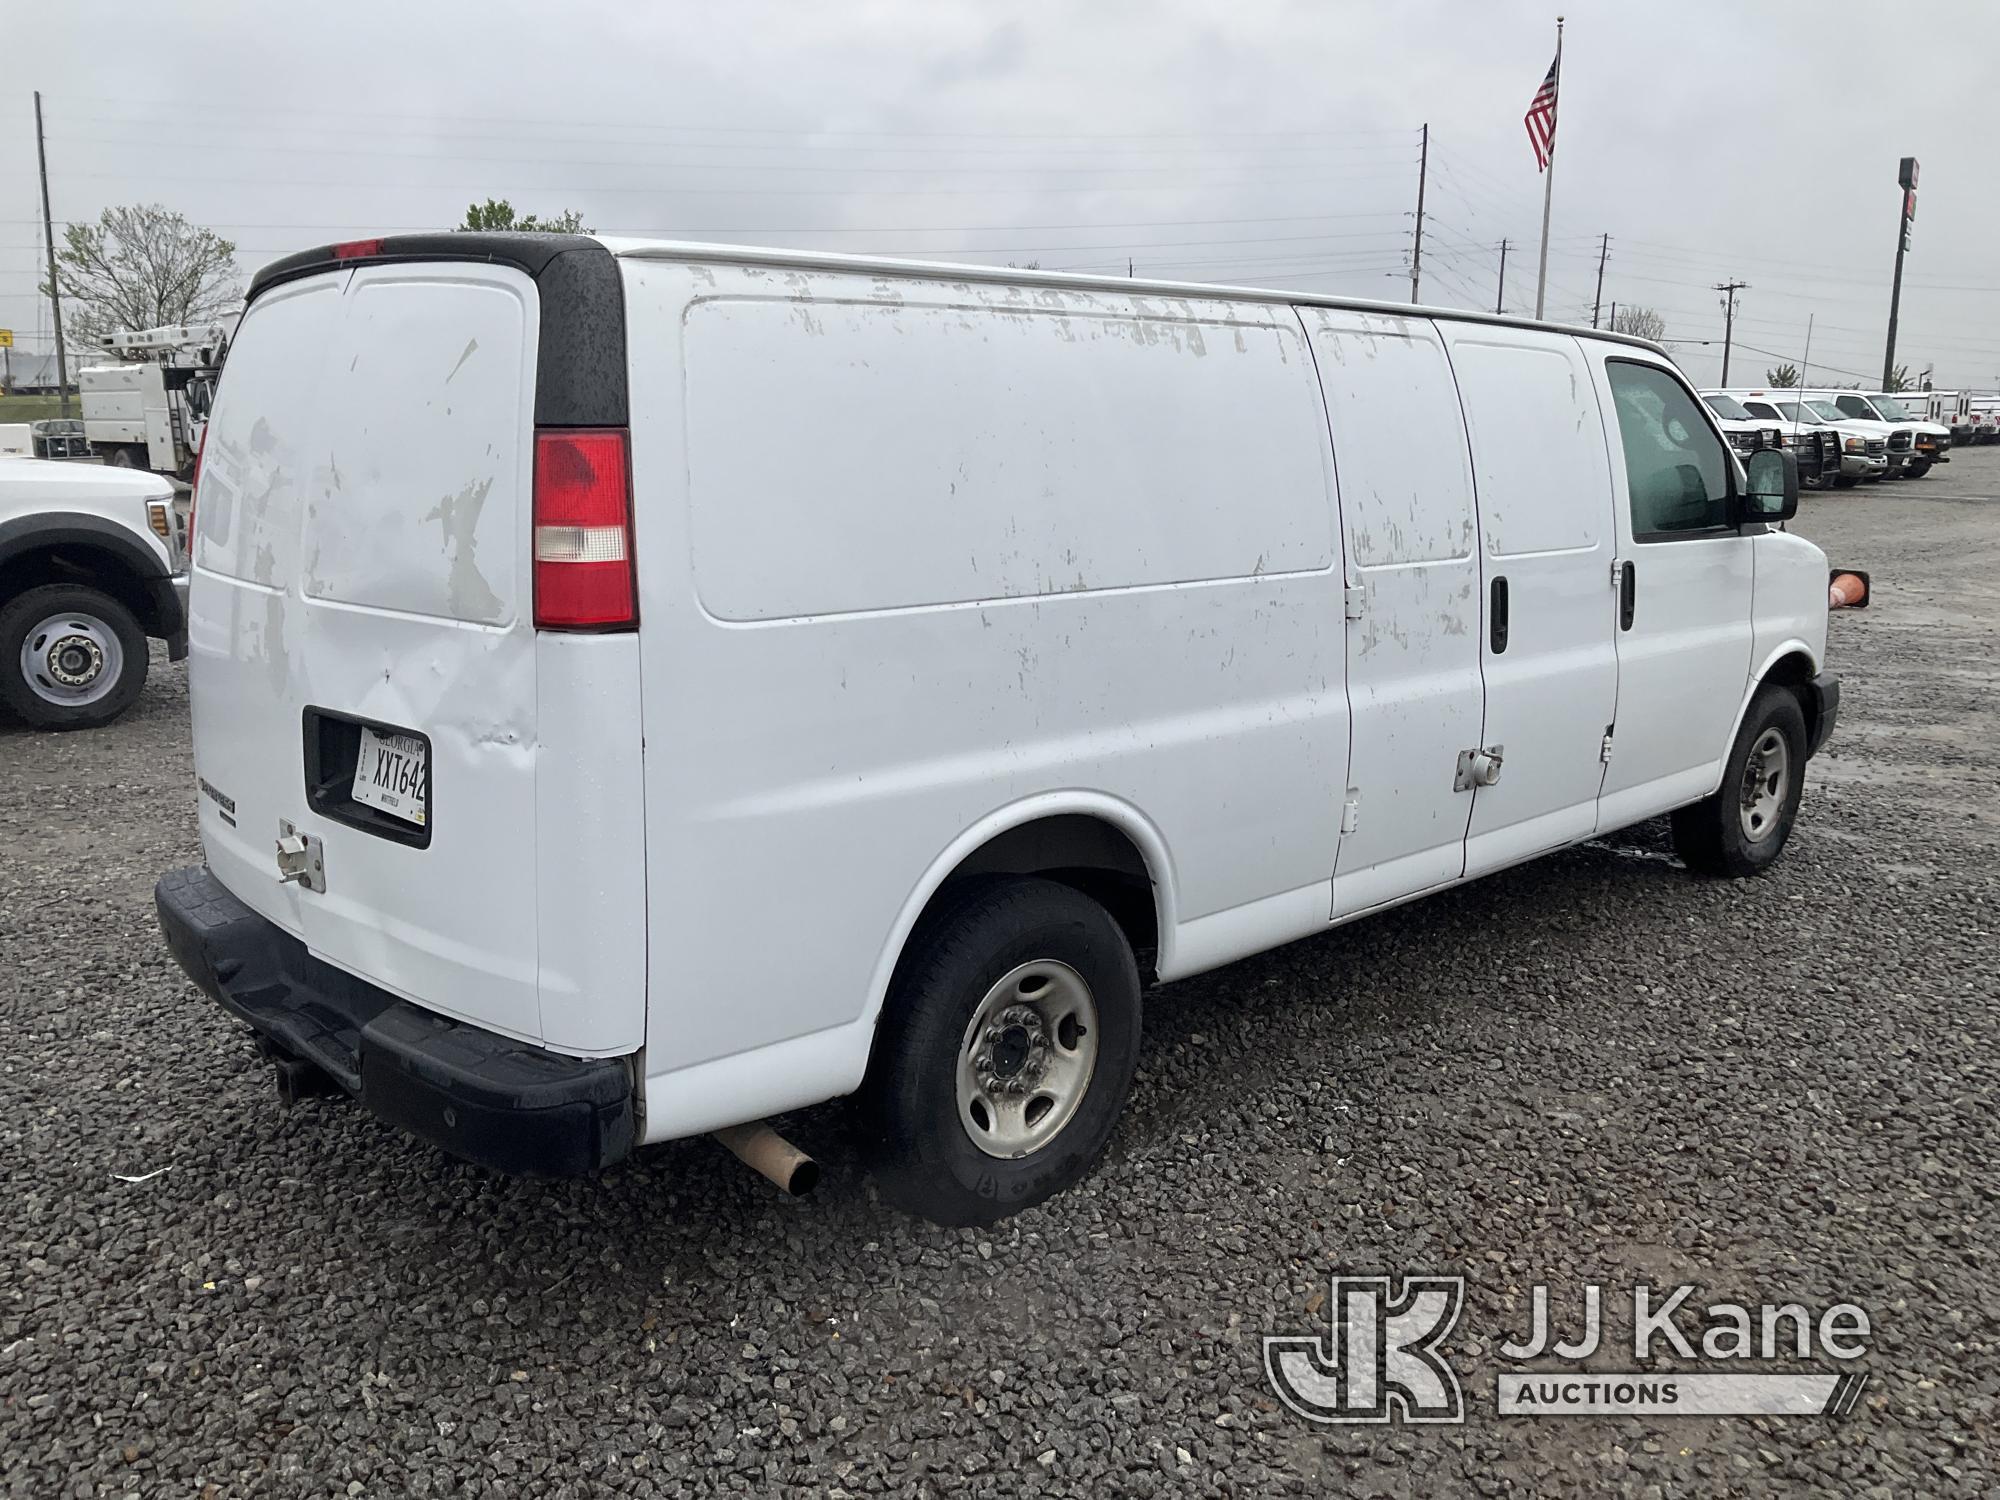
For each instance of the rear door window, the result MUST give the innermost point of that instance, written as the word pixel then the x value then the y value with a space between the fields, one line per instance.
pixel 1675 469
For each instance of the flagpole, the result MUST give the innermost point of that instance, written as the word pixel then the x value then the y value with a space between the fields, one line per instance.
pixel 1549 186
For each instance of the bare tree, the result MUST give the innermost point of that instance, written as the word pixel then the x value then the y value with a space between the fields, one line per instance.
pixel 1640 322
pixel 498 213
pixel 1899 379
pixel 144 266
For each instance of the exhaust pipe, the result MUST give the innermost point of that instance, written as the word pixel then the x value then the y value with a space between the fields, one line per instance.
pixel 770 1155
pixel 298 1080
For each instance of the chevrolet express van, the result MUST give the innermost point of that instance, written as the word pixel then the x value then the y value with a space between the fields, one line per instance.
pixel 640 688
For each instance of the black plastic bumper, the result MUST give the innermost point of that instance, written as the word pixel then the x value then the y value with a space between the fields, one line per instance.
pixel 1824 694
pixel 487 1098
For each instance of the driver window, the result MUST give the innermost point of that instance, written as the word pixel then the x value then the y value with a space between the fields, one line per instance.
pixel 1676 472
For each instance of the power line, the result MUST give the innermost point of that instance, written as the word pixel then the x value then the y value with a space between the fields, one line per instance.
pixel 177 107
pixel 920 169
pixel 597 189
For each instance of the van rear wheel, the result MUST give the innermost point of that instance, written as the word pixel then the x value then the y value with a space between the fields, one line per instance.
pixel 1006 1049
pixel 1742 829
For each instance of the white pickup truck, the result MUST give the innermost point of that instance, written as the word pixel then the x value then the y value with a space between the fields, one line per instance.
pixel 92 562
pixel 1927 443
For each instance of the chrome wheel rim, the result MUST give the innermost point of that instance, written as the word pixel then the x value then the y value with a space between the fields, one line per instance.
pixel 1767 781
pixel 1025 1062
pixel 72 659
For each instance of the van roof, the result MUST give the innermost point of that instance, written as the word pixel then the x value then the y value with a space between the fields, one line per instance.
pixel 532 252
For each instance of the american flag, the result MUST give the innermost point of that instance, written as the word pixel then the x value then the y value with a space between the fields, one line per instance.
pixel 1541 117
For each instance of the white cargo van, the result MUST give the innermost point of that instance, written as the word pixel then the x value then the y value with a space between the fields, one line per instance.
pixel 642 688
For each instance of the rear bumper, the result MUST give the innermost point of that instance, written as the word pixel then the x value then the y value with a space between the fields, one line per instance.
pixel 1823 692
pixel 481 1096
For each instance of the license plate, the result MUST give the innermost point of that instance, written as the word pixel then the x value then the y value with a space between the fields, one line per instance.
pixel 393 773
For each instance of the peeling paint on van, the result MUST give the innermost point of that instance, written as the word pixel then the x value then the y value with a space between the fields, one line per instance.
pixel 468 594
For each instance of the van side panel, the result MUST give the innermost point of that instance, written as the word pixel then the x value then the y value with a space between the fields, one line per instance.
pixel 918 465
pixel 1407 518
pixel 1113 573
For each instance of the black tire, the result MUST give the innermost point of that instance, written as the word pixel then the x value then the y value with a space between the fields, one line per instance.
pixel 1711 835
pixel 121 457
pixel 1846 481
pixel 1918 469
pixel 926 1160
pixel 100 618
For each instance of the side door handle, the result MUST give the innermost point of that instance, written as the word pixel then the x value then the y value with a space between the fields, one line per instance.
pixel 1628 595
pixel 1496 616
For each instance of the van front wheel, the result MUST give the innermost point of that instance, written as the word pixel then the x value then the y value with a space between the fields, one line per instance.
pixel 1742 829
pixel 1007 1046
pixel 70 657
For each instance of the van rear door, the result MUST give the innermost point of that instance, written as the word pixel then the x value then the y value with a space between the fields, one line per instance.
pixel 366 670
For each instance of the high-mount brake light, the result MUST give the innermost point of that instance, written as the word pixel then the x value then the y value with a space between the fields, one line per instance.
pixel 357 249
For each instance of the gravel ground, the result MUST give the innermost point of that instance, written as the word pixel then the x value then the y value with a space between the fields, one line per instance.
pixel 1595 1068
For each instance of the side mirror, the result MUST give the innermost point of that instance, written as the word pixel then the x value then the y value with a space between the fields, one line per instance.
pixel 1772 491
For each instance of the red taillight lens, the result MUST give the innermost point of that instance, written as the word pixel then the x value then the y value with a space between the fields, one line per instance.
pixel 194 486
pixel 357 249
pixel 583 530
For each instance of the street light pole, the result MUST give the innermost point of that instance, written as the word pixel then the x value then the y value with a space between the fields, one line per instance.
pixel 1906 177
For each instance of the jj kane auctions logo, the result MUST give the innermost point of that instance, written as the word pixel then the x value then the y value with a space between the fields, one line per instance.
pixel 1382 1357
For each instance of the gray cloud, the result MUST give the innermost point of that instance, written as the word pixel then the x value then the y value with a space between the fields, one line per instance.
pixel 1249 142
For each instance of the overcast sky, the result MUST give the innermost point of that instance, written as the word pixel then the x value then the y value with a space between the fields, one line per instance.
pixel 1265 143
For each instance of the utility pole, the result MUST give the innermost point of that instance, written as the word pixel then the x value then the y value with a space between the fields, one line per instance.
pixel 1729 320
pixel 1613 325
pixel 49 230
pixel 1417 250
pixel 1500 296
pixel 1597 302
pixel 1906 176
pixel 1129 272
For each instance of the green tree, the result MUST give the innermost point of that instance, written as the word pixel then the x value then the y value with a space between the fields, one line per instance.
pixel 1785 377
pixel 143 266
pixel 1899 379
pixel 498 213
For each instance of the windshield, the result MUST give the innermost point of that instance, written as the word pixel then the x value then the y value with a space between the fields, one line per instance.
pixel 1892 410
pixel 1792 412
pixel 1828 410
pixel 1728 408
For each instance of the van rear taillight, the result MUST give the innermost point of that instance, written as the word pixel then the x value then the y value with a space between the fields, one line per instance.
pixel 194 486
pixel 583 530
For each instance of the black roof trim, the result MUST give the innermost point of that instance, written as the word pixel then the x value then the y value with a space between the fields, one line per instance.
pixel 580 371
